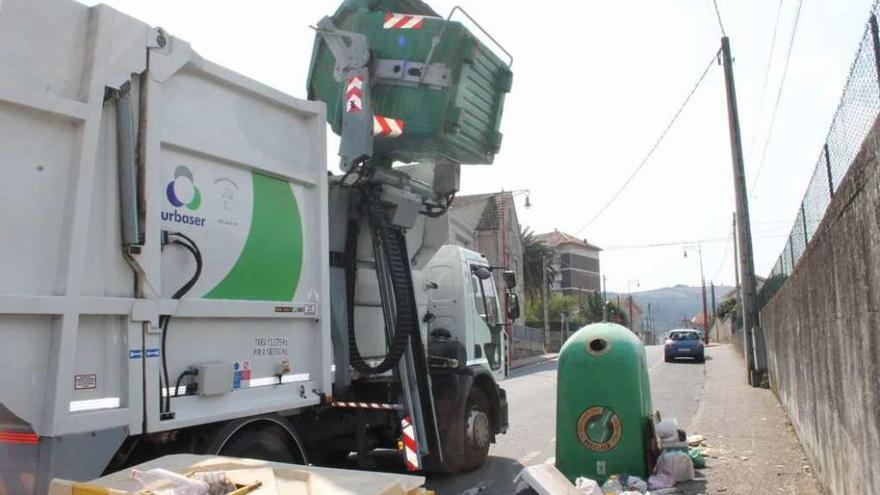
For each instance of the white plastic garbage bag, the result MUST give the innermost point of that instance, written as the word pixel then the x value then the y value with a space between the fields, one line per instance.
pixel 635 483
pixel 661 480
pixel 587 486
pixel 218 483
pixel 163 482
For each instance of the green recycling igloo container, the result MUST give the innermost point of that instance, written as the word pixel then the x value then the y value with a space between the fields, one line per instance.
pixel 455 120
pixel 603 404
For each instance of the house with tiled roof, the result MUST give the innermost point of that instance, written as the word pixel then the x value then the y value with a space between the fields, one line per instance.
pixel 488 224
pixel 577 263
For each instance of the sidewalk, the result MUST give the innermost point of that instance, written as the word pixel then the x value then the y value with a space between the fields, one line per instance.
pixel 752 448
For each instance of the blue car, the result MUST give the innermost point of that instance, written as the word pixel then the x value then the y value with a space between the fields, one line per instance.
pixel 684 343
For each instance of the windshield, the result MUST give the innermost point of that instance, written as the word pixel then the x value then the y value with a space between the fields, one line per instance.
pixel 485 299
pixel 684 336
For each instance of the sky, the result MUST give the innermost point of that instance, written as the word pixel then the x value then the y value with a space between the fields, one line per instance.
pixel 594 85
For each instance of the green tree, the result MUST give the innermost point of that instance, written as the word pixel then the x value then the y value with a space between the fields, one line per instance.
pixel 728 307
pixel 557 304
pixel 580 311
pixel 535 254
pixel 592 310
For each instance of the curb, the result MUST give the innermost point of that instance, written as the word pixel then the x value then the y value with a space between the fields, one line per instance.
pixel 523 363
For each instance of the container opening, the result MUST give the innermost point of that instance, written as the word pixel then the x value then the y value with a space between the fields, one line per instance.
pixel 414 72
pixel 598 345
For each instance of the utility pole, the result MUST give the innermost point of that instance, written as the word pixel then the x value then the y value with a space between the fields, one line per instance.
pixel 561 329
pixel 714 307
pixel 703 284
pixel 508 329
pixel 629 312
pixel 747 264
pixel 705 312
pixel 736 258
pixel 604 300
pixel 545 304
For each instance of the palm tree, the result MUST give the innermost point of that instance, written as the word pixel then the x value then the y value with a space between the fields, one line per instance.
pixel 535 255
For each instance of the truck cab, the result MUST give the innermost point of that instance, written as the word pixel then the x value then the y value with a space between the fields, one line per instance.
pixel 468 304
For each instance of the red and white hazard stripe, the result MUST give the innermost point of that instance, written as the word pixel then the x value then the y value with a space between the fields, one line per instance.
pixel 410 454
pixel 367 405
pixel 353 94
pixel 403 21
pixel 387 127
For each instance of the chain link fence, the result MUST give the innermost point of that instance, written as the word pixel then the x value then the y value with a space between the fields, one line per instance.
pixel 856 113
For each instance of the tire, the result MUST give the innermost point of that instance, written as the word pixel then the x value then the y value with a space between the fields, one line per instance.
pixel 702 358
pixel 477 430
pixel 263 440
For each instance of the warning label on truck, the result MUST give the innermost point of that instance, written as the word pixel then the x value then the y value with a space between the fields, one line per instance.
pixel 85 382
pixel 270 346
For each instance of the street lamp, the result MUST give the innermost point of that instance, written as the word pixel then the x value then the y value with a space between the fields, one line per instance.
pixel 703 282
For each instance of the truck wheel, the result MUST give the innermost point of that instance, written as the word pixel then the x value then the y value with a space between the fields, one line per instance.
pixel 262 439
pixel 477 430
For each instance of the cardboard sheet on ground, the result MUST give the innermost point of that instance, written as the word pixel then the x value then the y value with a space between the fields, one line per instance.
pixel 277 478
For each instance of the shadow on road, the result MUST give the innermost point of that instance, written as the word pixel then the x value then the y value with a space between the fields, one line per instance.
pixel 688 361
pixel 494 478
pixel 694 487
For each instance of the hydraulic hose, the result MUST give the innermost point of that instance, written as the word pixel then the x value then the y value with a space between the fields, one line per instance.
pixel 191 246
pixel 389 248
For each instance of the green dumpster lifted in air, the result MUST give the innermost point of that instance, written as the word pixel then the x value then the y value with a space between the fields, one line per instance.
pixel 414 86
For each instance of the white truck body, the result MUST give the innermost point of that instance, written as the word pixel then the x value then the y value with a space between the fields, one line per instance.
pixel 237 167
pixel 72 328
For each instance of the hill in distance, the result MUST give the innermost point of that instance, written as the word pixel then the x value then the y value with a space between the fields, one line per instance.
pixel 672 304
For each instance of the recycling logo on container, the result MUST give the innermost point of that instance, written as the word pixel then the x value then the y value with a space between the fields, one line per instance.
pixel 599 429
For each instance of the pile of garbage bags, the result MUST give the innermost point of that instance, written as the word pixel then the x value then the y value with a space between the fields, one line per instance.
pixel 678 458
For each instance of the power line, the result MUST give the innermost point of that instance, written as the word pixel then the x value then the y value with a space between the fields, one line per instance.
pixel 797 16
pixel 766 80
pixel 684 243
pixel 653 148
pixel 723 257
pixel 718 13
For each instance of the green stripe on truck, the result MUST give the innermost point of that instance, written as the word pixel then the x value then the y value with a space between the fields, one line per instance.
pixel 270 264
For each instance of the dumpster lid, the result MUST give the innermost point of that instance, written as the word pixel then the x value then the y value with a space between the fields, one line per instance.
pixel 414 7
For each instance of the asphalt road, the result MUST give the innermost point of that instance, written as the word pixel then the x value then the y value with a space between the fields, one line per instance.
pixel 531 393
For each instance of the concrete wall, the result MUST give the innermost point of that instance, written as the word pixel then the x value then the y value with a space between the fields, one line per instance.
pixel 721 331
pixel 822 331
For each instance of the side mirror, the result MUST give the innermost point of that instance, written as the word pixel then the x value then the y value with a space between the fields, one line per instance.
pixel 509 279
pixel 513 311
pixel 481 272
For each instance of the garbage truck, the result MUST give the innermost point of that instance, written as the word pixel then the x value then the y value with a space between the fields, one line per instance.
pixel 181 273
